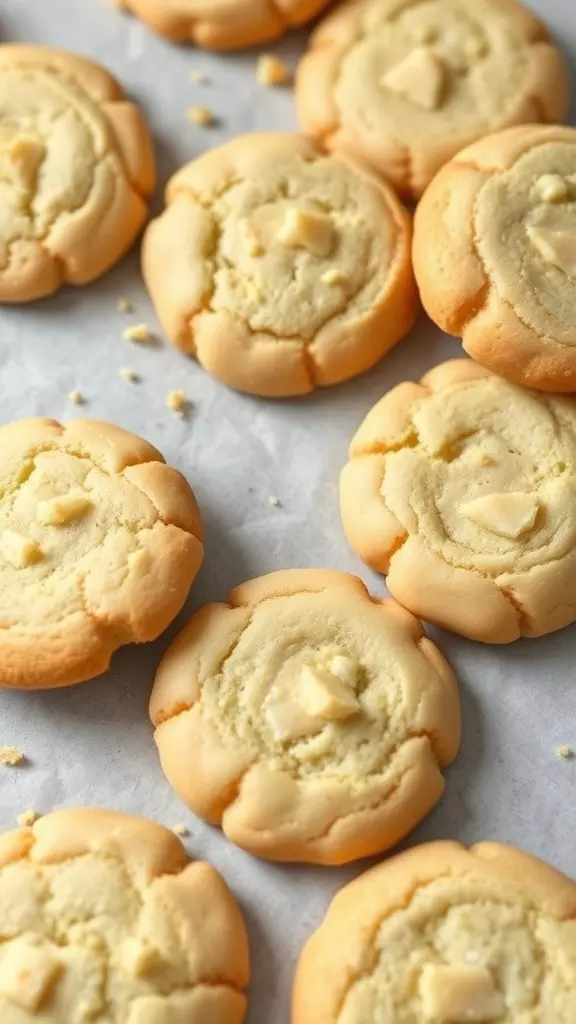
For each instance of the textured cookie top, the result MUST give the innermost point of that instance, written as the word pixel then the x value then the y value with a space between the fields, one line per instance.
pixel 103 918
pixel 306 718
pixel 495 253
pixel 407 83
pixel 461 488
pixel 445 935
pixel 225 24
pixel 271 259
pixel 76 162
pixel 99 543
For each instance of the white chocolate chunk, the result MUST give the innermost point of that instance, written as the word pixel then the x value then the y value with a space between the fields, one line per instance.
pixel 304 229
pixel 509 514
pixel 62 510
pixel 557 246
pixel 324 695
pixel 419 78
pixel 253 244
pixel 460 995
pixel 139 957
pixel 18 550
pixel 344 668
pixel 26 153
pixel 333 277
pixel 551 188
pixel 27 973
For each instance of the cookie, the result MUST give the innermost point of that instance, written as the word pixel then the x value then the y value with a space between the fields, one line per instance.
pixel 406 84
pixel 442 934
pixel 461 488
pixel 227 24
pixel 99 545
pixel 307 719
pixel 280 268
pixel 495 254
pixel 76 167
pixel 104 918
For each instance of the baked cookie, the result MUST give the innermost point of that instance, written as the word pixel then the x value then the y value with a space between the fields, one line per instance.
pixel 306 718
pixel 495 254
pixel 99 544
pixel 104 918
pixel 462 489
pixel 442 934
pixel 280 268
pixel 406 84
pixel 225 24
pixel 76 166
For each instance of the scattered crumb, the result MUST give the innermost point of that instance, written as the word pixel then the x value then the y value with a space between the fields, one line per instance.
pixel 272 70
pixel 76 397
pixel 177 401
pixel 27 818
pixel 274 501
pixel 129 375
pixel 138 333
pixel 11 756
pixel 123 306
pixel 197 78
pixel 201 116
pixel 564 751
pixel 181 830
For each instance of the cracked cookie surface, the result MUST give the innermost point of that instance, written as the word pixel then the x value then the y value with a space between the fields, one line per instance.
pixel 76 166
pixel 306 718
pixel 280 268
pixel 441 934
pixel 461 489
pixel 224 24
pixel 104 918
pixel 407 83
pixel 495 254
pixel 99 544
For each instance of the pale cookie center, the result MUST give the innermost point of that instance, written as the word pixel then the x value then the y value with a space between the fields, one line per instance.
pixel 460 995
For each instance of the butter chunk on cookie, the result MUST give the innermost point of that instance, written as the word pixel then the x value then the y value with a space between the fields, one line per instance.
pixel 77 166
pixel 441 934
pixel 309 720
pixel 100 542
pixel 281 268
pixel 106 918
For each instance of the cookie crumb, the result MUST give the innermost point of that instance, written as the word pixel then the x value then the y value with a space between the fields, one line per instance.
pixel 27 818
pixel 564 751
pixel 274 501
pixel 11 756
pixel 139 333
pixel 177 401
pixel 128 374
pixel 272 70
pixel 197 78
pixel 123 306
pixel 202 116
pixel 181 830
pixel 76 397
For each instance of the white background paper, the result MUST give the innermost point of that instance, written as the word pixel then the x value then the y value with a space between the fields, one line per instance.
pixel 93 743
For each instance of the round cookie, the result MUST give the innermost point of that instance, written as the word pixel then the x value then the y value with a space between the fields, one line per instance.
pixel 407 83
pixel 495 254
pixel 442 934
pixel 307 719
pixel 462 488
pixel 224 24
pixel 76 166
pixel 99 544
pixel 105 918
pixel 280 268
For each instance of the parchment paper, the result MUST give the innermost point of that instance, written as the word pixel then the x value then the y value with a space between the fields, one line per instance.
pixel 93 743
